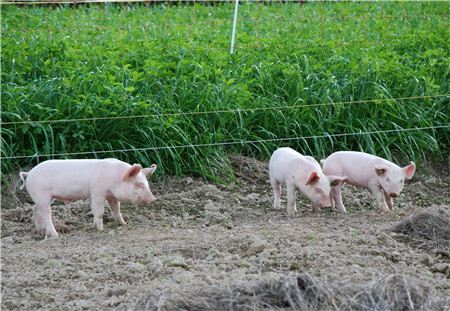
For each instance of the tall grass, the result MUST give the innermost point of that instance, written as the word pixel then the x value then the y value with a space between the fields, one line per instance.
pixel 129 71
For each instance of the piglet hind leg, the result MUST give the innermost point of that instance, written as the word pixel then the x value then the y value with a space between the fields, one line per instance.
pixel 98 209
pixel 276 193
pixel 43 218
pixel 40 227
pixel 114 206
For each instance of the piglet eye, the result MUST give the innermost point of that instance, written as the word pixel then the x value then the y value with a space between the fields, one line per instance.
pixel 138 185
pixel 317 190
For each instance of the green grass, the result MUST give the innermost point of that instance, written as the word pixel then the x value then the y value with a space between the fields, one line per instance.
pixel 124 70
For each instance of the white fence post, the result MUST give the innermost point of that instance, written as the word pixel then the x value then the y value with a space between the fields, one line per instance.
pixel 234 26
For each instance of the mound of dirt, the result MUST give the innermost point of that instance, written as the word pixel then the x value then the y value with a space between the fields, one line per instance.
pixel 299 292
pixel 433 228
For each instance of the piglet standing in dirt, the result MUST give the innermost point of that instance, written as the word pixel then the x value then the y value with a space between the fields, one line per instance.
pixel 107 180
pixel 297 172
pixel 383 178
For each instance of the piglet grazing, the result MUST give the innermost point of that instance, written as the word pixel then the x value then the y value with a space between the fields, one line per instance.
pixel 297 172
pixel 383 178
pixel 107 180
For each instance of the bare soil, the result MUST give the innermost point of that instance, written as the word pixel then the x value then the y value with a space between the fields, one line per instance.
pixel 200 235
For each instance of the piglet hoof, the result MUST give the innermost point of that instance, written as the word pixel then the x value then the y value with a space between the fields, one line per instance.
pixel 340 210
pixel 316 209
pixel 99 225
pixel 291 213
pixel 51 235
pixel 385 209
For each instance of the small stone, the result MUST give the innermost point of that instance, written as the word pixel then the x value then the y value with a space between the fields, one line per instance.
pixel 135 267
pixel 84 304
pixel 256 247
pixel 8 239
pixel 210 206
pixel 79 287
pixel 82 275
pixel 157 263
pixel 183 277
pixel 252 197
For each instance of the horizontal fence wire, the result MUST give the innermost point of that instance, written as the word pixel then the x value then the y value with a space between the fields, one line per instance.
pixel 177 114
pixel 226 143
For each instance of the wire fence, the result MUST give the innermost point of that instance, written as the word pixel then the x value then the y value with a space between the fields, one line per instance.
pixel 259 141
pixel 220 111
pixel 210 14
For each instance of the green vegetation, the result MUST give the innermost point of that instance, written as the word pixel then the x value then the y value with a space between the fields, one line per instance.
pixel 86 85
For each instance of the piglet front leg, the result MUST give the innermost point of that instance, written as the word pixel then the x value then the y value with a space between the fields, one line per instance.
pixel 388 200
pixel 337 198
pixel 291 194
pixel 380 197
pixel 114 206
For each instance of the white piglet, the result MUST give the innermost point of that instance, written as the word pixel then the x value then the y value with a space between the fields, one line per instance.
pixel 383 178
pixel 109 180
pixel 297 172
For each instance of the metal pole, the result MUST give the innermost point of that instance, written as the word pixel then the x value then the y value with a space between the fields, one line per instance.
pixel 234 25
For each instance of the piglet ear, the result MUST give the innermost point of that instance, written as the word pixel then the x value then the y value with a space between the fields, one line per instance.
pixel 337 181
pixel 380 170
pixel 150 170
pixel 132 172
pixel 409 170
pixel 313 178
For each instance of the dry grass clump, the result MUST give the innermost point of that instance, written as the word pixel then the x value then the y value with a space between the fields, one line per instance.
pixel 431 229
pixel 299 292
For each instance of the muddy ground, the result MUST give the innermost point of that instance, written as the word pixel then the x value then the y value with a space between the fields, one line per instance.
pixel 198 235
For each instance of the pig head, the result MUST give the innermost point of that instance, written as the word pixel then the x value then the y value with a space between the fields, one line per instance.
pixel 134 187
pixel 391 177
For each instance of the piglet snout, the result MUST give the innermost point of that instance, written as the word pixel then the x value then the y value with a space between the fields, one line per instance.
pixel 325 203
pixel 393 195
pixel 151 201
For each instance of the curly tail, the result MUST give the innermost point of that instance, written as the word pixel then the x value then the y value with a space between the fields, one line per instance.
pixel 22 176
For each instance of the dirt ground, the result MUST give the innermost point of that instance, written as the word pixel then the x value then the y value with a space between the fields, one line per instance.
pixel 200 234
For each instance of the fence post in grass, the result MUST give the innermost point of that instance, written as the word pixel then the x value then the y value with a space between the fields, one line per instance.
pixel 234 26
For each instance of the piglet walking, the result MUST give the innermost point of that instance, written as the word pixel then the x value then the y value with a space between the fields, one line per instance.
pixel 298 172
pixel 107 180
pixel 383 178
